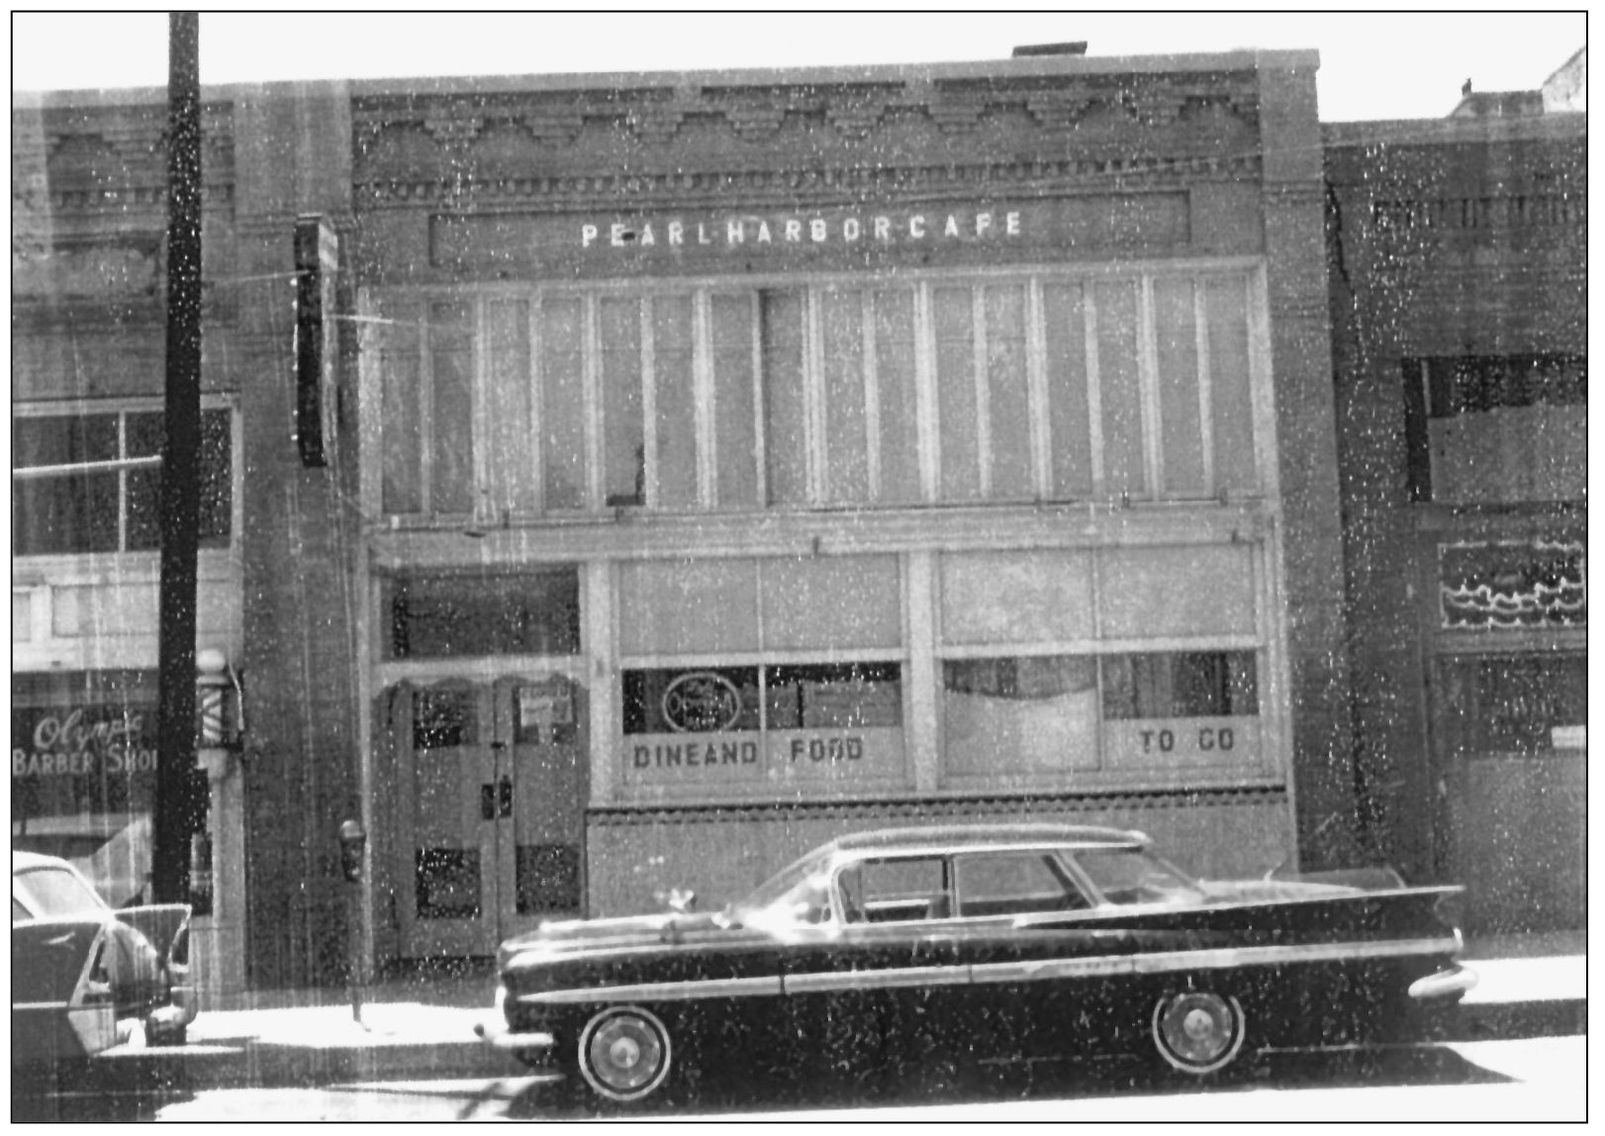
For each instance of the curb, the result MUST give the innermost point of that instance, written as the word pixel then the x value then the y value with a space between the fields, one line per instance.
pixel 1508 1021
pixel 259 1064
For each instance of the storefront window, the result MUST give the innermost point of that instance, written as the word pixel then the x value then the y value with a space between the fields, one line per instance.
pixel 835 695
pixel 83 774
pixel 1031 714
pixel 1181 710
pixel 712 700
pixel 702 733
pixel 1189 684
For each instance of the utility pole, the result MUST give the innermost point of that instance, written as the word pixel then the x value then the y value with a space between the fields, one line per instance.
pixel 176 805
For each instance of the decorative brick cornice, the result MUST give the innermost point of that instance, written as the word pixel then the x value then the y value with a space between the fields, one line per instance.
pixel 1172 115
pixel 786 184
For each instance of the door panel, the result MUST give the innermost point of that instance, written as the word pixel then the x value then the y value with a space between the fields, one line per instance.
pixel 449 904
pixel 542 783
pixel 493 791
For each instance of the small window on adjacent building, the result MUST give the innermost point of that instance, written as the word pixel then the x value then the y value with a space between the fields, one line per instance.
pixel 1495 429
pixel 62 503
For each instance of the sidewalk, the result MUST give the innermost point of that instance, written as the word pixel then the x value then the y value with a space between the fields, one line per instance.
pixel 419 1027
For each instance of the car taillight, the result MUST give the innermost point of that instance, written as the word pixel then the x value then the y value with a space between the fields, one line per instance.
pixel 1450 910
pixel 94 989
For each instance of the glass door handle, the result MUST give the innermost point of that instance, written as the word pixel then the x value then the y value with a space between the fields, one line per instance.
pixel 487 802
pixel 504 794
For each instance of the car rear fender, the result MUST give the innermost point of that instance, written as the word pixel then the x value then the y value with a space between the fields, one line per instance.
pixel 62 1003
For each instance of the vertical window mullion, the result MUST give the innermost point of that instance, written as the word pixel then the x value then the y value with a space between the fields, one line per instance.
pixel 1148 385
pixel 872 395
pixel 1036 380
pixel 1206 415
pixel 591 378
pixel 479 411
pixel 426 412
pixel 760 438
pixel 537 396
pixel 707 441
pixel 930 435
pixel 814 397
pixel 1089 309
pixel 650 495
pixel 983 392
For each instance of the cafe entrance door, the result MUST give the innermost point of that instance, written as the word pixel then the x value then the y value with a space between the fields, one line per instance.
pixel 492 803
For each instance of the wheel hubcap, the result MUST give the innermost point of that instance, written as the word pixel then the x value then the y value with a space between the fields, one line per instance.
pixel 625 1055
pixel 1198 1031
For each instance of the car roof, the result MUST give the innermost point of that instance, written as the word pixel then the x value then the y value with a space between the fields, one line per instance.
pixel 26 861
pixel 967 837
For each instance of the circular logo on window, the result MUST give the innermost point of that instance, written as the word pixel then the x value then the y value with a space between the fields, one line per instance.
pixel 701 702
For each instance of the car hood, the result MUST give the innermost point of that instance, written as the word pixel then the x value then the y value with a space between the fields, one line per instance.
pixel 572 935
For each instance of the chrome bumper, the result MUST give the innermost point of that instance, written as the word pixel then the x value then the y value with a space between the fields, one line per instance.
pixel 1452 983
pixel 494 1033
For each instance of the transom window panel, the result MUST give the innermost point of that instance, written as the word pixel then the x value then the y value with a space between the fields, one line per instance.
pixel 1020 387
pixel 70 495
pixel 719 606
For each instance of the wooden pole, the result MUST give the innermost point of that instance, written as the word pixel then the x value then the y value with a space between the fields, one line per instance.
pixel 176 805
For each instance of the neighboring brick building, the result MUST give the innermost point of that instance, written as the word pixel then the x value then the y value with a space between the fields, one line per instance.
pixel 1459 269
pixel 721 462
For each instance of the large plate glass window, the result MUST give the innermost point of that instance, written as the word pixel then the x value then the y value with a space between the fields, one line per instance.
pixel 696 725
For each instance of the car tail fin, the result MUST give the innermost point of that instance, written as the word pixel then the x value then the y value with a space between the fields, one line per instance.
pixel 164 925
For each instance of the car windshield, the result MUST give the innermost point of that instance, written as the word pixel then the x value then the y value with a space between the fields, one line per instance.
pixel 796 894
pixel 52 892
pixel 1135 875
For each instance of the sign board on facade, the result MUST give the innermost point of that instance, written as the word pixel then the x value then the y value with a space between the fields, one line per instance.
pixel 740 239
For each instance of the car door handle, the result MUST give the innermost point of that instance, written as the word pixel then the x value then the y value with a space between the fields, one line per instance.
pixel 504 793
pixel 487 802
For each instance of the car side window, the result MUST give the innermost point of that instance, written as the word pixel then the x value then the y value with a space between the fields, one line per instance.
pixel 897 890
pixel 1014 883
pixel 54 892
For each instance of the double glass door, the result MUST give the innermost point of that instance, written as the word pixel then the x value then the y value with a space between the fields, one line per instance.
pixel 493 796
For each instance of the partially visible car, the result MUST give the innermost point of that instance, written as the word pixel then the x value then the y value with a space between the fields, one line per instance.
pixel 906 948
pixel 85 976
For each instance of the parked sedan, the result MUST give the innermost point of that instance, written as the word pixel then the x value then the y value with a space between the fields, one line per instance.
pixel 993 943
pixel 85 977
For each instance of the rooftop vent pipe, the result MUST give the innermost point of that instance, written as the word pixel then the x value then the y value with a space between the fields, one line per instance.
pixel 1079 48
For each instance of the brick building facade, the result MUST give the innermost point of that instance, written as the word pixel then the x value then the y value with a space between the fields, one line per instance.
pixel 1458 272
pixel 722 462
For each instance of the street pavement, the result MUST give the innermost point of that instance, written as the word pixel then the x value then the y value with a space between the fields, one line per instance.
pixel 423 1026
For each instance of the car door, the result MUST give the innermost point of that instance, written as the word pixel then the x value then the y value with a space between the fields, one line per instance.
pixel 1037 952
pixel 879 994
